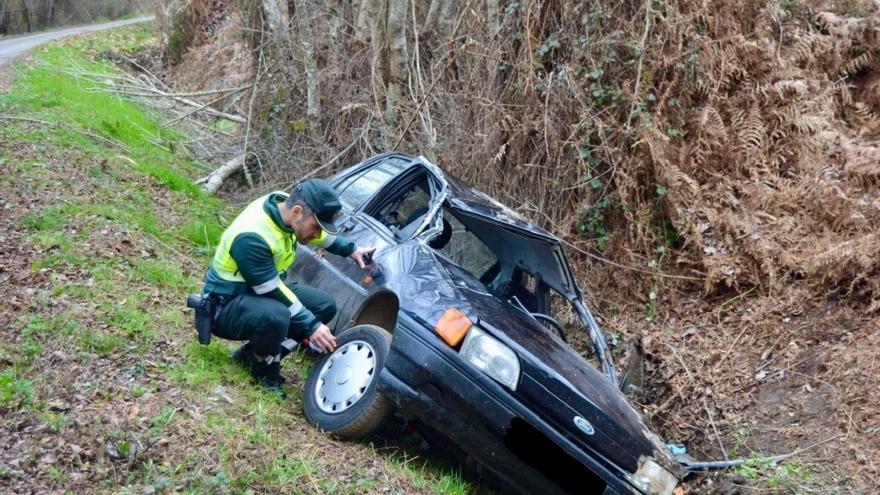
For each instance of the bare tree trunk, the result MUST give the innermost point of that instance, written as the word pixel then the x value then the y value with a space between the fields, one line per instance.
pixel 276 15
pixel 50 12
pixel 376 17
pixel 431 17
pixel 337 29
pixel 4 18
pixel 447 13
pixel 493 14
pixel 397 58
pixel 438 18
pixel 27 14
pixel 304 22
pixel 361 23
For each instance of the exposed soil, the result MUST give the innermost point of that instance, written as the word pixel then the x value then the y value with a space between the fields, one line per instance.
pixel 767 378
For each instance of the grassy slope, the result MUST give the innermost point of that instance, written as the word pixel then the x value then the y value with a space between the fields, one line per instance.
pixel 102 388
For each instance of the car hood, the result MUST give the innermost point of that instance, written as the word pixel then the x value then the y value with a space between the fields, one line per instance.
pixel 557 382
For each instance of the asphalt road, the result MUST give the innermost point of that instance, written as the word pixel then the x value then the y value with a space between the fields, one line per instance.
pixel 10 48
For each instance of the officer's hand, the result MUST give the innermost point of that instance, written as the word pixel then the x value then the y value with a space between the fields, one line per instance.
pixel 363 255
pixel 323 339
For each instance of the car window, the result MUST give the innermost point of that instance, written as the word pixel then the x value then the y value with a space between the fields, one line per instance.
pixel 465 249
pixel 406 206
pixel 354 190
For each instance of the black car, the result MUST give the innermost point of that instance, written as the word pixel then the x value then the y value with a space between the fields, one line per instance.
pixel 453 327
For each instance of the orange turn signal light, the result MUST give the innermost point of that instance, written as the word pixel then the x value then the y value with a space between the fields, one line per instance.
pixel 453 326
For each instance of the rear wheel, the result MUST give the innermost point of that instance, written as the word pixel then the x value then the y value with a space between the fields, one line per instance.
pixel 340 394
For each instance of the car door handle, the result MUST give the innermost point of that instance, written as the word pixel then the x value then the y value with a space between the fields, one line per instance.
pixel 346 225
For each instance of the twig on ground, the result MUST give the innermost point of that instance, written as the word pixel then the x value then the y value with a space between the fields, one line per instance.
pixel 683 364
pixel 626 267
pixel 642 43
pixel 731 301
pixel 69 127
pixel 714 428
pixel 733 344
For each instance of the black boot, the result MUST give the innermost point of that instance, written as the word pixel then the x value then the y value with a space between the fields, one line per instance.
pixel 245 357
pixel 268 375
pixel 249 361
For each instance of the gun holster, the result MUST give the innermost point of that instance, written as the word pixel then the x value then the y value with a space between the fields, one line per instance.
pixel 206 310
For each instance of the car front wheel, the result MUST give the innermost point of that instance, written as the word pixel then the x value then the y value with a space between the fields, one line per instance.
pixel 340 394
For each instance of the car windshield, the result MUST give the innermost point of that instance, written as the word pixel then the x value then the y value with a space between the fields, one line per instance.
pixel 354 190
pixel 464 248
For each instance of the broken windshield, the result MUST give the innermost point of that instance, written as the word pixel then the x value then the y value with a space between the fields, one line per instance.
pixel 464 248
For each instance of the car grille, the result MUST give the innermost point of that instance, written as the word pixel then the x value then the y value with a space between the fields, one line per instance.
pixel 534 448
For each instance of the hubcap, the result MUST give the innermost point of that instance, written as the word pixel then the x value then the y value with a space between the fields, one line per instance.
pixel 345 377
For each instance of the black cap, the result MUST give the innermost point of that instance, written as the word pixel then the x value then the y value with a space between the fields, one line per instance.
pixel 323 201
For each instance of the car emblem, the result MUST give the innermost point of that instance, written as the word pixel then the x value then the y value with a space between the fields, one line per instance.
pixel 584 425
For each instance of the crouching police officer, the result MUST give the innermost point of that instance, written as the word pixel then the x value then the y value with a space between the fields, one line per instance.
pixel 247 275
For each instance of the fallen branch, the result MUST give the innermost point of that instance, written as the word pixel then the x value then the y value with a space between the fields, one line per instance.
pixel 146 87
pixel 699 466
pixel 215 179
pixel 200 106
pixel 644 41
pixel 194 111
pixel 632 268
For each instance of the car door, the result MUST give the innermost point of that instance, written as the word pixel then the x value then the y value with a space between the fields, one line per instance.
pixel 338 276
pixel 412 191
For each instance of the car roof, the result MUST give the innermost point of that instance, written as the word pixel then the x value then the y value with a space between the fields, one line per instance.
pixel 467 198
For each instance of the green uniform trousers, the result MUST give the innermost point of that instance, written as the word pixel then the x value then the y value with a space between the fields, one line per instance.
pixel 265 322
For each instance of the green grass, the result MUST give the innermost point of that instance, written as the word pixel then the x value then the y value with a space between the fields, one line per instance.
pixel 55 421
pixel 138 391
pixel 763 472
pixel 161 421
pixel 206 366
pixel 47 219
pixel 792 476
pixel 443 481
pixel 286 472
pixel 164 274
pixel 15 390
pixel 96 342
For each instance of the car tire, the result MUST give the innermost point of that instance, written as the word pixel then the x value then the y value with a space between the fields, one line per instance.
pixel 341 395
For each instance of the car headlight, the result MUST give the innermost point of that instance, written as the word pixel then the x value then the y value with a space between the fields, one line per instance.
pixel 488 354
pixel 653 479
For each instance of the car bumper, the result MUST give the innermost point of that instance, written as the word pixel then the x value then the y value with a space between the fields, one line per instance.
pixel 425 378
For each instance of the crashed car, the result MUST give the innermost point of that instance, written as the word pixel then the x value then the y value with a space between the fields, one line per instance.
pixel 453 327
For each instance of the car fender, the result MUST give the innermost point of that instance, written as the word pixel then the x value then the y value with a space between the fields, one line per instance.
pixel 380 309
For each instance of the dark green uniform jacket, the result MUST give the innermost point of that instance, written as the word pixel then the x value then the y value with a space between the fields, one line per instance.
pixel 255 252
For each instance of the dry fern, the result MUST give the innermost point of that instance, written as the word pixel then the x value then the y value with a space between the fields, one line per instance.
pixel 855 65
pixel 802 51
pixel 752 133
